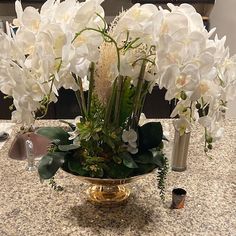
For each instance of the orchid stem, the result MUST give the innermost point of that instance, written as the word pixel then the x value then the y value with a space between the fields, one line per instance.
pixel 91 87
pixel 134 121
pixel 105 35
pixel 118 100
pixel 142 99
pixel 80 96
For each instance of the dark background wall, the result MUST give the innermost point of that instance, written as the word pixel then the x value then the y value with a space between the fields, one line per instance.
pixel 67 108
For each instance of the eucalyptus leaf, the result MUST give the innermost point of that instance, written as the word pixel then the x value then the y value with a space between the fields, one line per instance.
pixel 149 158
pixel 68 147
pixel 144 158
pixel 54 133
pixel 50 164
pixel 56 141
pixel 76 167
pixel 128 160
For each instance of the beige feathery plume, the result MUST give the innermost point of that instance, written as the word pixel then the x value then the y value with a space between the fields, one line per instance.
pixel 106 72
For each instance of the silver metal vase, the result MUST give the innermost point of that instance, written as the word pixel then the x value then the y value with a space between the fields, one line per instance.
pixel 180 151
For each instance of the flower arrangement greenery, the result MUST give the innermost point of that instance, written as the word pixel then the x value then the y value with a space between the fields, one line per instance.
pixel 69 44
pixel 106 141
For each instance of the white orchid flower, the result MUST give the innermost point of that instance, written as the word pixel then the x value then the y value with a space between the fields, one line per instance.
pixel 141 21
pixel 31 19
pixel 205 121
pixel 129 136
pixel 86 16
pixel 206 89
pixel 182 125
pixel 132 150
pixel 73 134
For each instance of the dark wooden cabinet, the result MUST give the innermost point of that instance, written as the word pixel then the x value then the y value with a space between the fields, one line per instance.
pixel 155 105
pixel 5 112
pixel 67 107
pixel 5 103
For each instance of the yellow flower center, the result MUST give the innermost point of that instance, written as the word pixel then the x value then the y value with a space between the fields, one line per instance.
pixel 203 87
pixel 182 80
pixel 35 25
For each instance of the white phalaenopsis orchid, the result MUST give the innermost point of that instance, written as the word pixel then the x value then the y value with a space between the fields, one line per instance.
pixel 196 70
pixel 39 57
pixel 140 21
pixel 69 44
pixel 64 43
pixel 130 137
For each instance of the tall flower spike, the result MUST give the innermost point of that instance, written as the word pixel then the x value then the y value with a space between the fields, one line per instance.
pixel 106 72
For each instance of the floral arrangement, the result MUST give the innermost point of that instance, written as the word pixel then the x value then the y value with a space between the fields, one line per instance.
pixel 69 44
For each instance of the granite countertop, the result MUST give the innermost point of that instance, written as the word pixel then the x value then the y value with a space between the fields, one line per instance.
pixel 29 208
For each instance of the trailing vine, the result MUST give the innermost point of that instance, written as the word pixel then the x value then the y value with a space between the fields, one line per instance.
pixel 54 185
pixel 161 177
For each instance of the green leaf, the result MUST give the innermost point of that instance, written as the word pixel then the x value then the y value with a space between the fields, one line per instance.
pixel 116 171
pixel 85 131
pixel 76 167
pixel 117 159
pixel 158 158
pixel 109 141
pixel 68 147
pixel 98 173
pixel 128 160
pixel 126 105
pixel 144 158
pixel 72 126
pixel 149 158
pixel 50 164
pixel 56 141
pixel 144 169
pixel 54 133
pixel 150 135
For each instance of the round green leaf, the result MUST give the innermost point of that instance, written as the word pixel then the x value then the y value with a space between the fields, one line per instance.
pixel 128 160
pixel 50 164
pixel 54 133
pixel 76 167
pixel 68 147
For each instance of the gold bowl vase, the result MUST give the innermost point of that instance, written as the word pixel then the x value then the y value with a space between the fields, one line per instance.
pixel 108 192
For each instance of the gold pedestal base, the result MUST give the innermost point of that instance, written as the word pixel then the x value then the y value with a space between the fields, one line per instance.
pixel 108 192
pixel 108 195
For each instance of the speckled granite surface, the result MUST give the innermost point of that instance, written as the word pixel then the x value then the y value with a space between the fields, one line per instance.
pixel 29 208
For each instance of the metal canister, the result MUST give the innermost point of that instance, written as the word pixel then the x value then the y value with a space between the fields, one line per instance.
pixel 2 28
pixel 180 151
